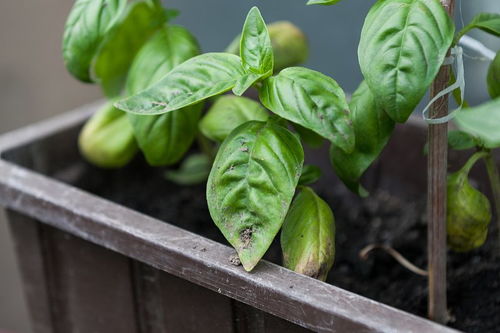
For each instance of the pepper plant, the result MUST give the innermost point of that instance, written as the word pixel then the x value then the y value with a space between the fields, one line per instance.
pixel 257 184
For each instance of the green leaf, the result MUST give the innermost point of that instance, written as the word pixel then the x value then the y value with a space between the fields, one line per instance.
pixel 229 112
pixel 403 45
pixel 193 170
pixel 459 140
pixel 309 137
pixel 322 2
pixel 193 81
pixel 289 43
pixel 252 184
pixel 165 138
pixel 119 49
pixel 312 100
pixel 482 122
pixel 494 77
pixel 169 47
pixel 310 174
pixel 107 139
pixel 256 51
pixel 373 128
pixel 308 236
pixel 88 22
pixel 487 22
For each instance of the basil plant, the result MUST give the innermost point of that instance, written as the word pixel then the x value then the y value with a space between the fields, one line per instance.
pixel 164 94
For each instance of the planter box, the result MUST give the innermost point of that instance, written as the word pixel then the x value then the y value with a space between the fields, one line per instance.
pixel 90 265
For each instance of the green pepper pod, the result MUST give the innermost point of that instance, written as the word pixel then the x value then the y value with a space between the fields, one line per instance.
pixel 308 236
pixel 469 211
pixel 107 139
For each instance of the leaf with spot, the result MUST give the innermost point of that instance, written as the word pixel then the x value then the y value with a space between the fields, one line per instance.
pixel 373 128
pixel 165 138
pixel 193 81
pixel 308 236
pixel 256 51
pixel 229 112
pixel 487 22
pixel 88 23
pixel 403 44
pixel 312 100
pixel 252 184
pixel 112 63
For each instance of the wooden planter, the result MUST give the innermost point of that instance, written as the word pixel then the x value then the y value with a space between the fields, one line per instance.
pixel 90 265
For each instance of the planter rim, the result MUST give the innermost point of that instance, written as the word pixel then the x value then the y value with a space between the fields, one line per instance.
pixel 302 300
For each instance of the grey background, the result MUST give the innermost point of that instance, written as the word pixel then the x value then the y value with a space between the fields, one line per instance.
pixel 34 84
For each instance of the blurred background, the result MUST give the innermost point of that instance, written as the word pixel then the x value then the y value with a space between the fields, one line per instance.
pixel 34 84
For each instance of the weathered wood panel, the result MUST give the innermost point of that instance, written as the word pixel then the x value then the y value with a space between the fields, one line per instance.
pixel 72 285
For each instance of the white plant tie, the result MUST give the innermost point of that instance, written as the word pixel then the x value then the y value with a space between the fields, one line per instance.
pixel 456 56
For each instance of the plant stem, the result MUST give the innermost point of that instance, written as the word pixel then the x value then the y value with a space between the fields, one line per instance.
pixel 436 195
pixel 494 176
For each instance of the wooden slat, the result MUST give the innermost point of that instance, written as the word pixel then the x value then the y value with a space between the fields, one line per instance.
pixel 169 304
pixel 90 286
pixel 25 233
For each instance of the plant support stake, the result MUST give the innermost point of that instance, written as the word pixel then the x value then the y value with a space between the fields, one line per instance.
pixel 495 188
pixel 436 197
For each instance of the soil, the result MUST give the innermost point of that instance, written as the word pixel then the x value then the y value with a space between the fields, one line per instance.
pixel 474 277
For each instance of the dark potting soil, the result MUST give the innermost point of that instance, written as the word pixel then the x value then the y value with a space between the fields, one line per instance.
pixel 473 278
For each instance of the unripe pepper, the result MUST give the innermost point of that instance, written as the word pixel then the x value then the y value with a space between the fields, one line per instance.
pixel 107 139
pixel 469 211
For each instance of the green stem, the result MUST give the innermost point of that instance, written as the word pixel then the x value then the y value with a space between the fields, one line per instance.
pixel 473 160
pixel 494 176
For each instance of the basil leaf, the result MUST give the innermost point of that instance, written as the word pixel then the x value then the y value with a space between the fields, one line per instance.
pixel 310 174
pixel 87 24
pixel 459 140
pixel 165 138
pixel 229 112
pixel 403 45
pixel 169 47
pixel 308 236
pixel 482 122
pixel 252 184
pixel 193 170
pixel 309 137
pixel 322 2
pixel 193 81
pixel 373 128
pixel 289 45
pixel 312 100
pixel 256 51
pixel 487 22
pixel 107 139
pixel 119 49
pixel 494 77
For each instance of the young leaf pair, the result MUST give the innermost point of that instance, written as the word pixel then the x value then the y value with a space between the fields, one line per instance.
pixel 258 166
